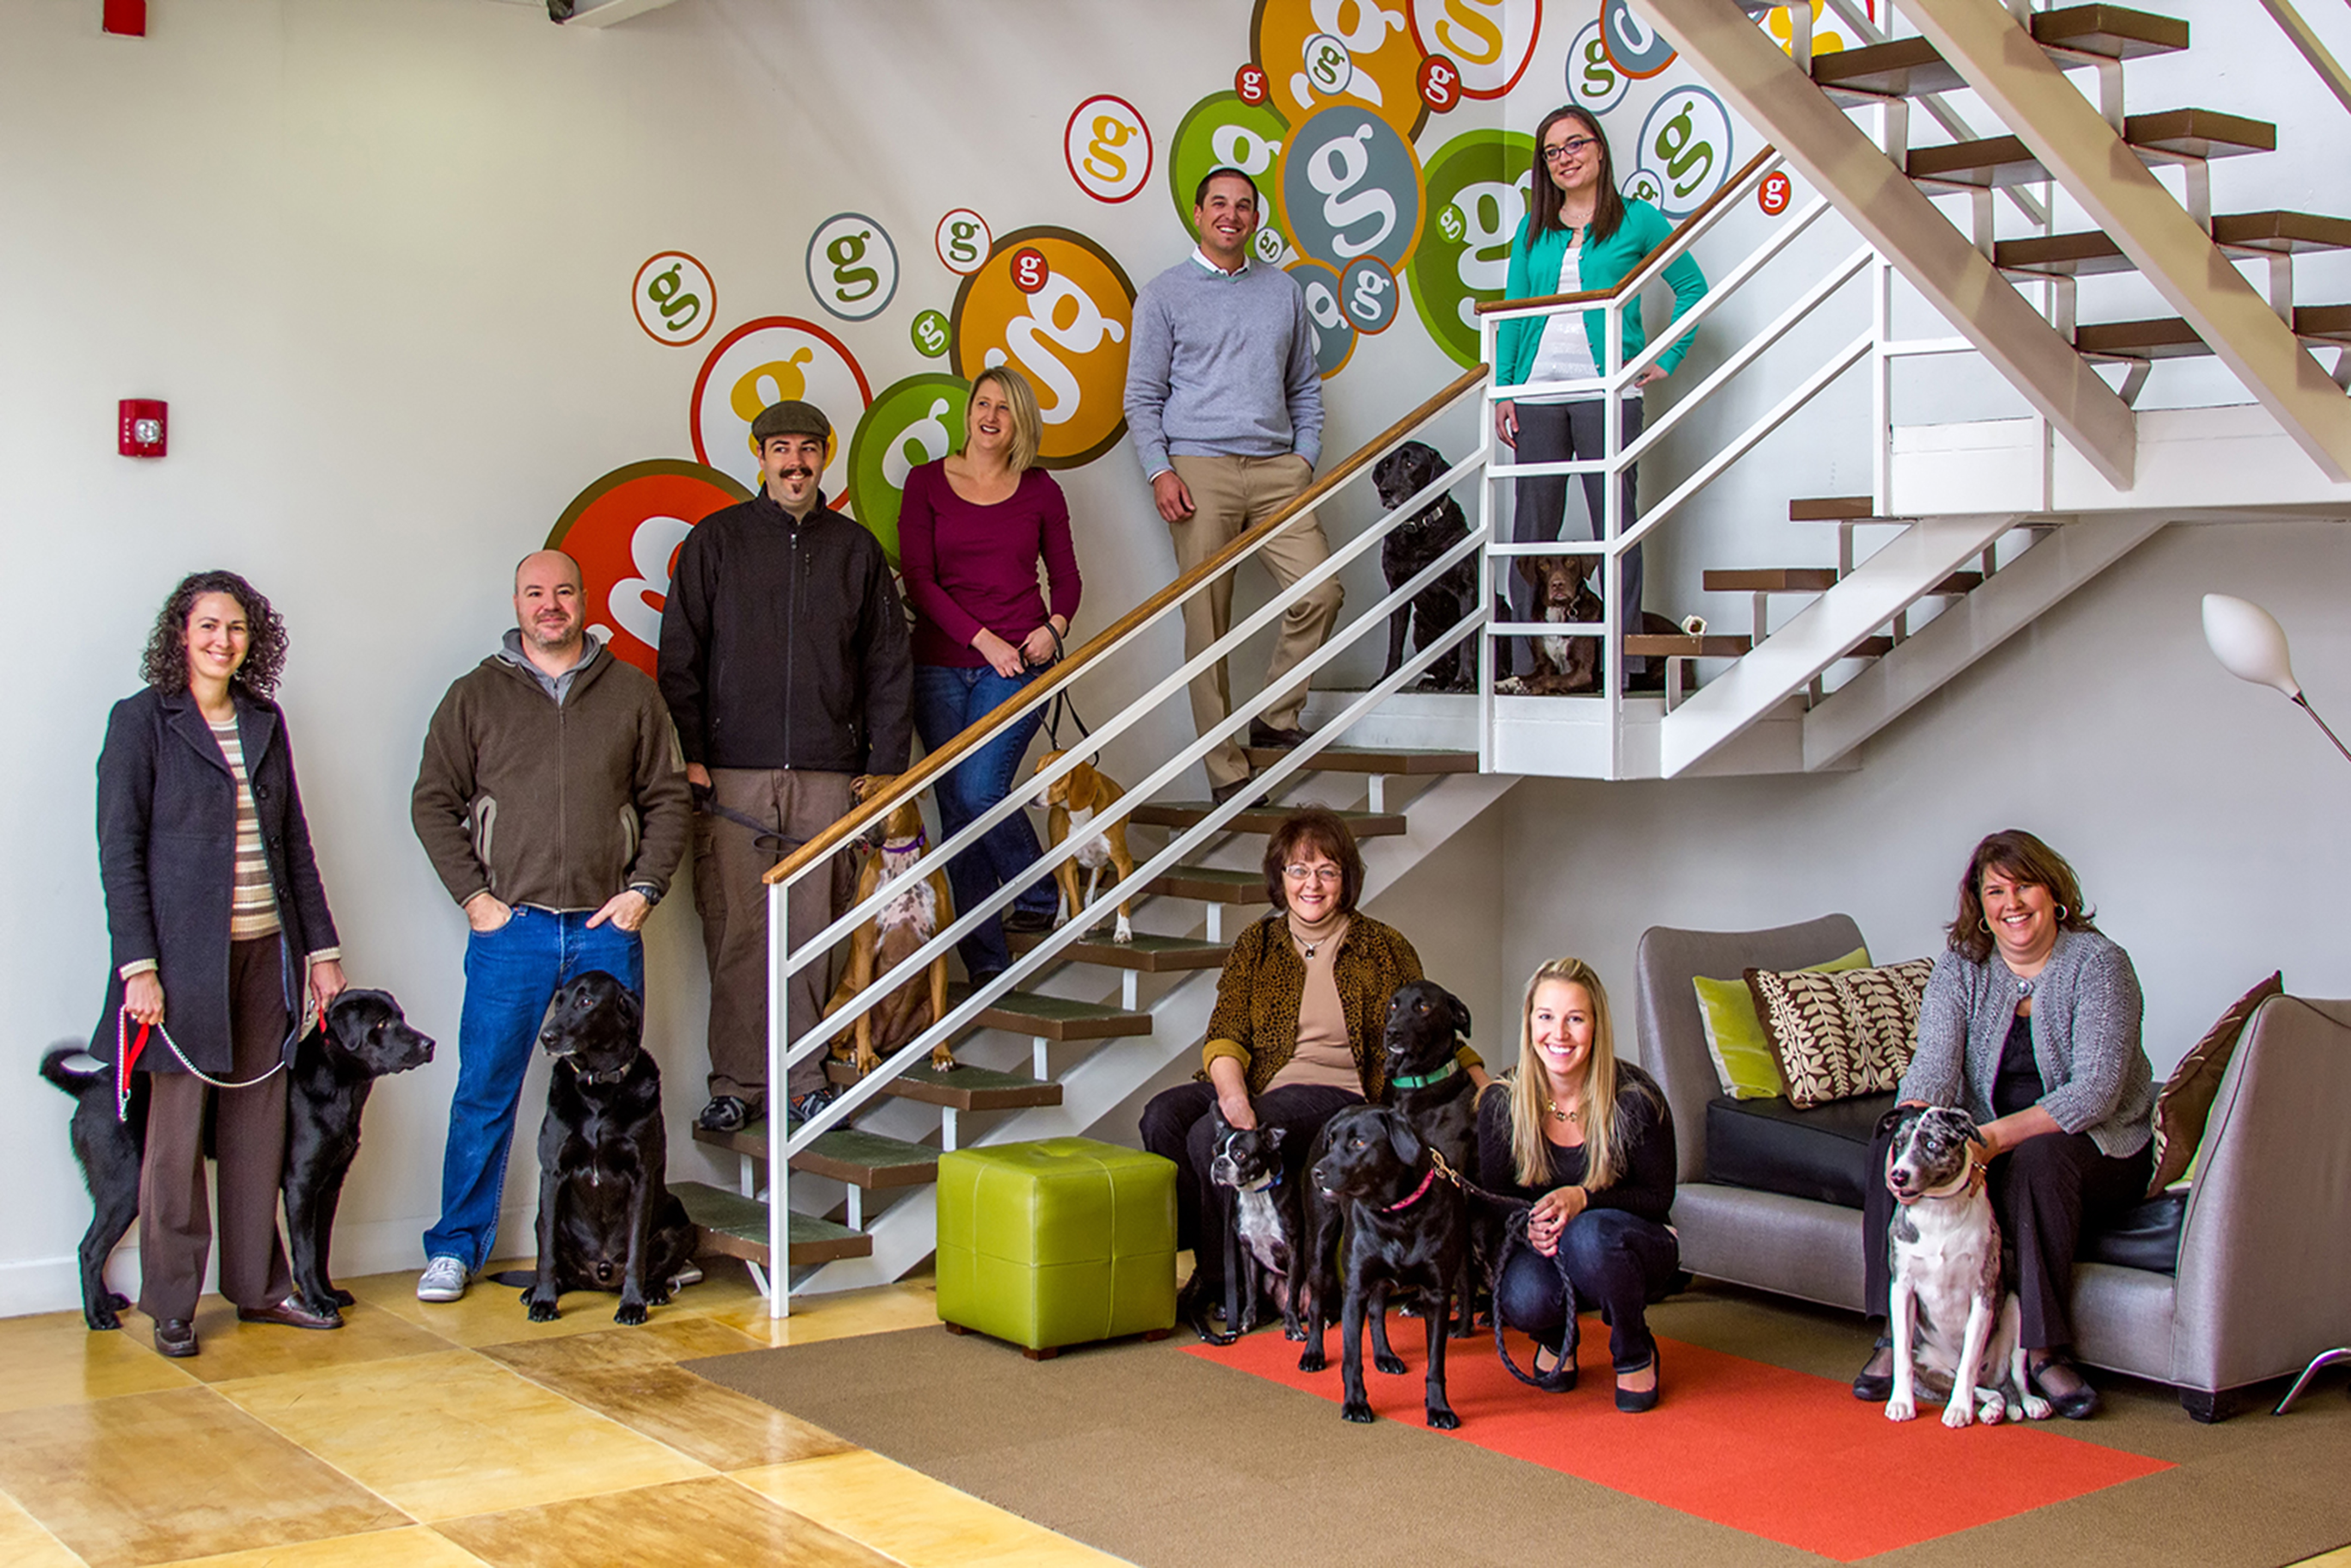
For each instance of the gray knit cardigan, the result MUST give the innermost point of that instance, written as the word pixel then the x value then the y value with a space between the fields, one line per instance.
pixel 2085 1039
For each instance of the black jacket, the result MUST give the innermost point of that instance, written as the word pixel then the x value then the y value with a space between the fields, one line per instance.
pixel 167 856
pixel 783 645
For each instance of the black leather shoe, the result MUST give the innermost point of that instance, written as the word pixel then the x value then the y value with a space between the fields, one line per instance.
pixel 1636 1402
pixel 1264 736
pixel 291 1313
pixel 176 1337
pixel 1560 1376
pixel 1875 1387
pixel 2079 1405
pixel 1027 921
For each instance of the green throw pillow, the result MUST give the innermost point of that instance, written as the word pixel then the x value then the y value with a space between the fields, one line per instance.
pixel 1744 1062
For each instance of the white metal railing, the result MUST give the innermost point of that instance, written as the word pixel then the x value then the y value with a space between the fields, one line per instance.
pixel 786 959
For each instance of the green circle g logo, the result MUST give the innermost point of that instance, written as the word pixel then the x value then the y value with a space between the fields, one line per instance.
pixel 1476 187
pixel 918 419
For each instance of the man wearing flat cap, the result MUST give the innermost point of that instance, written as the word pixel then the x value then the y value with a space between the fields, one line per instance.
pixel 784 661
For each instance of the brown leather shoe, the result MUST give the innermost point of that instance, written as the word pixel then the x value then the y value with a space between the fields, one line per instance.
pixel 290 1313
pixel 176 1337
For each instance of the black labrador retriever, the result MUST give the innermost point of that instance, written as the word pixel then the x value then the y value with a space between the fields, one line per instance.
pixel 363 1037
pixel 1409 548
pixel 1406 1232
pixel 1427 1084
pixel 607 1219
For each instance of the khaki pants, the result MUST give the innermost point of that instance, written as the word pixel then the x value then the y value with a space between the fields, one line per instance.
pixel 175 1223
pixel 1230 496
pixel 730 865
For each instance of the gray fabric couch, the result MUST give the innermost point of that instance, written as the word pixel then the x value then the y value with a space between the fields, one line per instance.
pixel 2262 1281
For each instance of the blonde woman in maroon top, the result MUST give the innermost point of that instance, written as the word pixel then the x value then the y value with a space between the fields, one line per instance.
pixel 971 530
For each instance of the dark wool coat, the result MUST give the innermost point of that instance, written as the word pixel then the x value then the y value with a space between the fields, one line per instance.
pixel 167 857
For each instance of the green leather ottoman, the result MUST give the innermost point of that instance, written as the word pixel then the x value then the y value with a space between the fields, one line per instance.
pixel 1061 1241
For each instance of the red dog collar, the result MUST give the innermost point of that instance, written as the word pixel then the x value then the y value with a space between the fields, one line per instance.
pixel 1417 1193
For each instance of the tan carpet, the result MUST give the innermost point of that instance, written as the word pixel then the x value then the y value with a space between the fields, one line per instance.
pixel 1170 1460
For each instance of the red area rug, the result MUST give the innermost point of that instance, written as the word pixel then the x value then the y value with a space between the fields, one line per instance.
pixel 1783 1455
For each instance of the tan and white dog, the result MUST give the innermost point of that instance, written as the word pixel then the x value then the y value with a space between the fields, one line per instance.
pixel 924 905
pixel 1072 804
pixel 1951 1320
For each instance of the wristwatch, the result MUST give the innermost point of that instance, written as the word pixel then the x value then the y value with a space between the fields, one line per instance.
pixel 646 891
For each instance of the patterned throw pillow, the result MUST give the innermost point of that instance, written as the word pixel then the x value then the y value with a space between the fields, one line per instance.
pixel 2186 1100
pixel 1842 1034
pixel 1744 1062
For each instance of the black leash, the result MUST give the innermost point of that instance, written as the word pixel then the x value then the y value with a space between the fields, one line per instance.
pixel 1514 1238
pixel 1061 707
pixel 706 801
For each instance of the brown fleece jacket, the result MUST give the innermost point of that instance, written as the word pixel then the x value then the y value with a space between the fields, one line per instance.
pixel 559 807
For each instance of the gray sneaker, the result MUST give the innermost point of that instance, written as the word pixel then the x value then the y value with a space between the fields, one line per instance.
pixel 443 1280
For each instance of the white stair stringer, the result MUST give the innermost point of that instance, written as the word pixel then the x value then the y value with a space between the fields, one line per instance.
pixel 907 1231
pixel 2009 601
pixel 1768 89
pixel 2020 82
pixel 1823 632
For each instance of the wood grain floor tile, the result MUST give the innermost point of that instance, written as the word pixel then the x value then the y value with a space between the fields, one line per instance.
pixel 920 1522
pixel 692 1524
pixel 910 1303
pixel 494 1314
pixel 457 1433
pixel 148 1478
pixel 54 1358
pixel 414 1547
pixel 232 1350
pixel 629 1376
pixel 24 1544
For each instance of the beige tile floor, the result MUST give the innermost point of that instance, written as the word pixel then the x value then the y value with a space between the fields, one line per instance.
pixel 427 1436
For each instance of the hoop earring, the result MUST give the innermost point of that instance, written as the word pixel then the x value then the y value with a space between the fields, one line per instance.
pixel 1984 927
pixel 2063 914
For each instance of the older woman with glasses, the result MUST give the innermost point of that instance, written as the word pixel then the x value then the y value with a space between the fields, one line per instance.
pixel 1295 1035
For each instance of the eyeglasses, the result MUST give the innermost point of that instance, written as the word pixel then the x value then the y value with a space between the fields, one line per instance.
pixel 1328 875
pixel 1559 152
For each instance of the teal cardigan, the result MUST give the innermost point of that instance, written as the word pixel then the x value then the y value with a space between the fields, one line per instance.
pixel 1534 273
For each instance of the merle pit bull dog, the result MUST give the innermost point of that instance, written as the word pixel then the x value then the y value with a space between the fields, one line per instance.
pixel 1427 1084
pixel 363 1036
pixel 1262 1239
pixel 1406 1232
pixel 1415 542
pixel 607 1219
pixel 1952 1320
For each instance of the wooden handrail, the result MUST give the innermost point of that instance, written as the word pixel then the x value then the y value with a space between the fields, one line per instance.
pixel 916 778
pixel 1705 211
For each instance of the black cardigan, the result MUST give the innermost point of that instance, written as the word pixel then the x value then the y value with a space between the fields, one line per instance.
pixel 167 856
pixel 1644 1183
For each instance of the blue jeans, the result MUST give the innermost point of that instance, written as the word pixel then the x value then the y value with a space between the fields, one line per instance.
pixel 511 973
pixel 1607 1259
pixel 948 700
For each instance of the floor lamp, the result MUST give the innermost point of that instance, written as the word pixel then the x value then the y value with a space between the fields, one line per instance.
pixel 2251 645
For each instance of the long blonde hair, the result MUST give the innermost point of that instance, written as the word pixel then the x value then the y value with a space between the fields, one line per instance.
pixel 1028 420
pixel 1604 1133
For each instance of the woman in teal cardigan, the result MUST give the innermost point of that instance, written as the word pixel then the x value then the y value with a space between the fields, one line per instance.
pixel 1579 234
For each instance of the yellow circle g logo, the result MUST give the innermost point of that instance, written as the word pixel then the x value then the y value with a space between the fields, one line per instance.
pixel 1068 334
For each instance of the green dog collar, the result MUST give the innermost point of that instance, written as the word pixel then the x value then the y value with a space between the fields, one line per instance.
pixel 1423 1080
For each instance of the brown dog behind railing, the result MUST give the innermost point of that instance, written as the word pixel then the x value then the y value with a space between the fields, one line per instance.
pixel 923 908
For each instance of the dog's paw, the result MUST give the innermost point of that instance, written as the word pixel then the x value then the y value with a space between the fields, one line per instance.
pixel 542 1311
pixel 2037 1409
pixel 1959 1413
pixel 1901 1410
pixel 1391 1363
pixel 1991 1412
pixel 1292 1333
pixel 1355 1410
pixel 1124 934
pixel 345 1299
pixel 1510 686
pixel 1312 1360
pixel 631 1314
pixel 1443 1419
pixel 102 1318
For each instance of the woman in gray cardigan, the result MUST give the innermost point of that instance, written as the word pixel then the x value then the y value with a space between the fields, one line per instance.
pixel 2031 1023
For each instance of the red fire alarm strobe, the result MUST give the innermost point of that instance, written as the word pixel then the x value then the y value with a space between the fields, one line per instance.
pixel 127 19
pixel 143 431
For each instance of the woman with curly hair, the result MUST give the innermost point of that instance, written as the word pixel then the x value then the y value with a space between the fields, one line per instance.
pixel 212 900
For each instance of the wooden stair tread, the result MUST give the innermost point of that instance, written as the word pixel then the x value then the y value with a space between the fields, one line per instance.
pixel 1211 884
pixel 1772 579
pixel 1831 509
pixel 2002 161
pixel 1059 1017
pixel 2323 323
pixel 1264 819
pixel 1907 67
pixel 961 1088
pixel 2071 255
pixel 845 1154
pixel 2237 234
pixel 1395 760
pixel 2157 338
pixel 1677 645
pixel 2113 31
pixel 2276 231
pixel 1148 955
pixel 1958 582
pixel 736 1227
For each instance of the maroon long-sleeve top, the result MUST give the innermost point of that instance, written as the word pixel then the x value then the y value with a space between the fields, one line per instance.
pixel 967 565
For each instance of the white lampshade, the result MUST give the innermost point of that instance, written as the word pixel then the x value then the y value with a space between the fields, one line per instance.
pixel 2249 642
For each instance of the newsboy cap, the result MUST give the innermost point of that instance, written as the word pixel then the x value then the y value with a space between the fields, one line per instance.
pixel 790 417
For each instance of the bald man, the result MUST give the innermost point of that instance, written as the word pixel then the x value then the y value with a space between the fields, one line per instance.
pixel 552 800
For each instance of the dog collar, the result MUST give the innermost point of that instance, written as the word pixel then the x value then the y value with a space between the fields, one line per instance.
pixel 902 847
pixel 1423 1080
pixel 587 1077
pixel 1417 1193
pixel 1972 1182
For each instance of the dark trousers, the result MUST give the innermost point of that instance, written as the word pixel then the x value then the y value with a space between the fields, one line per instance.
pixel 175 1222
pixel 1560 432
pixel 1177 1125
pixel 948 700
pixel 2046 1191
pixel 1607 1259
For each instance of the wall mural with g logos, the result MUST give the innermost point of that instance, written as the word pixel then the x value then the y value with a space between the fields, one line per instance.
pixel 1377 133
pixel 624 529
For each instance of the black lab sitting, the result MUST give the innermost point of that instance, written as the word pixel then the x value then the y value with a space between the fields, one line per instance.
pixel 364 1036
pixel 1427 1084
pixel 607 1220
pixel 1409 548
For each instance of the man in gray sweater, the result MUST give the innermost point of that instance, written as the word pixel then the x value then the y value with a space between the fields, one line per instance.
pixel 552 801
pixel 1226 408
